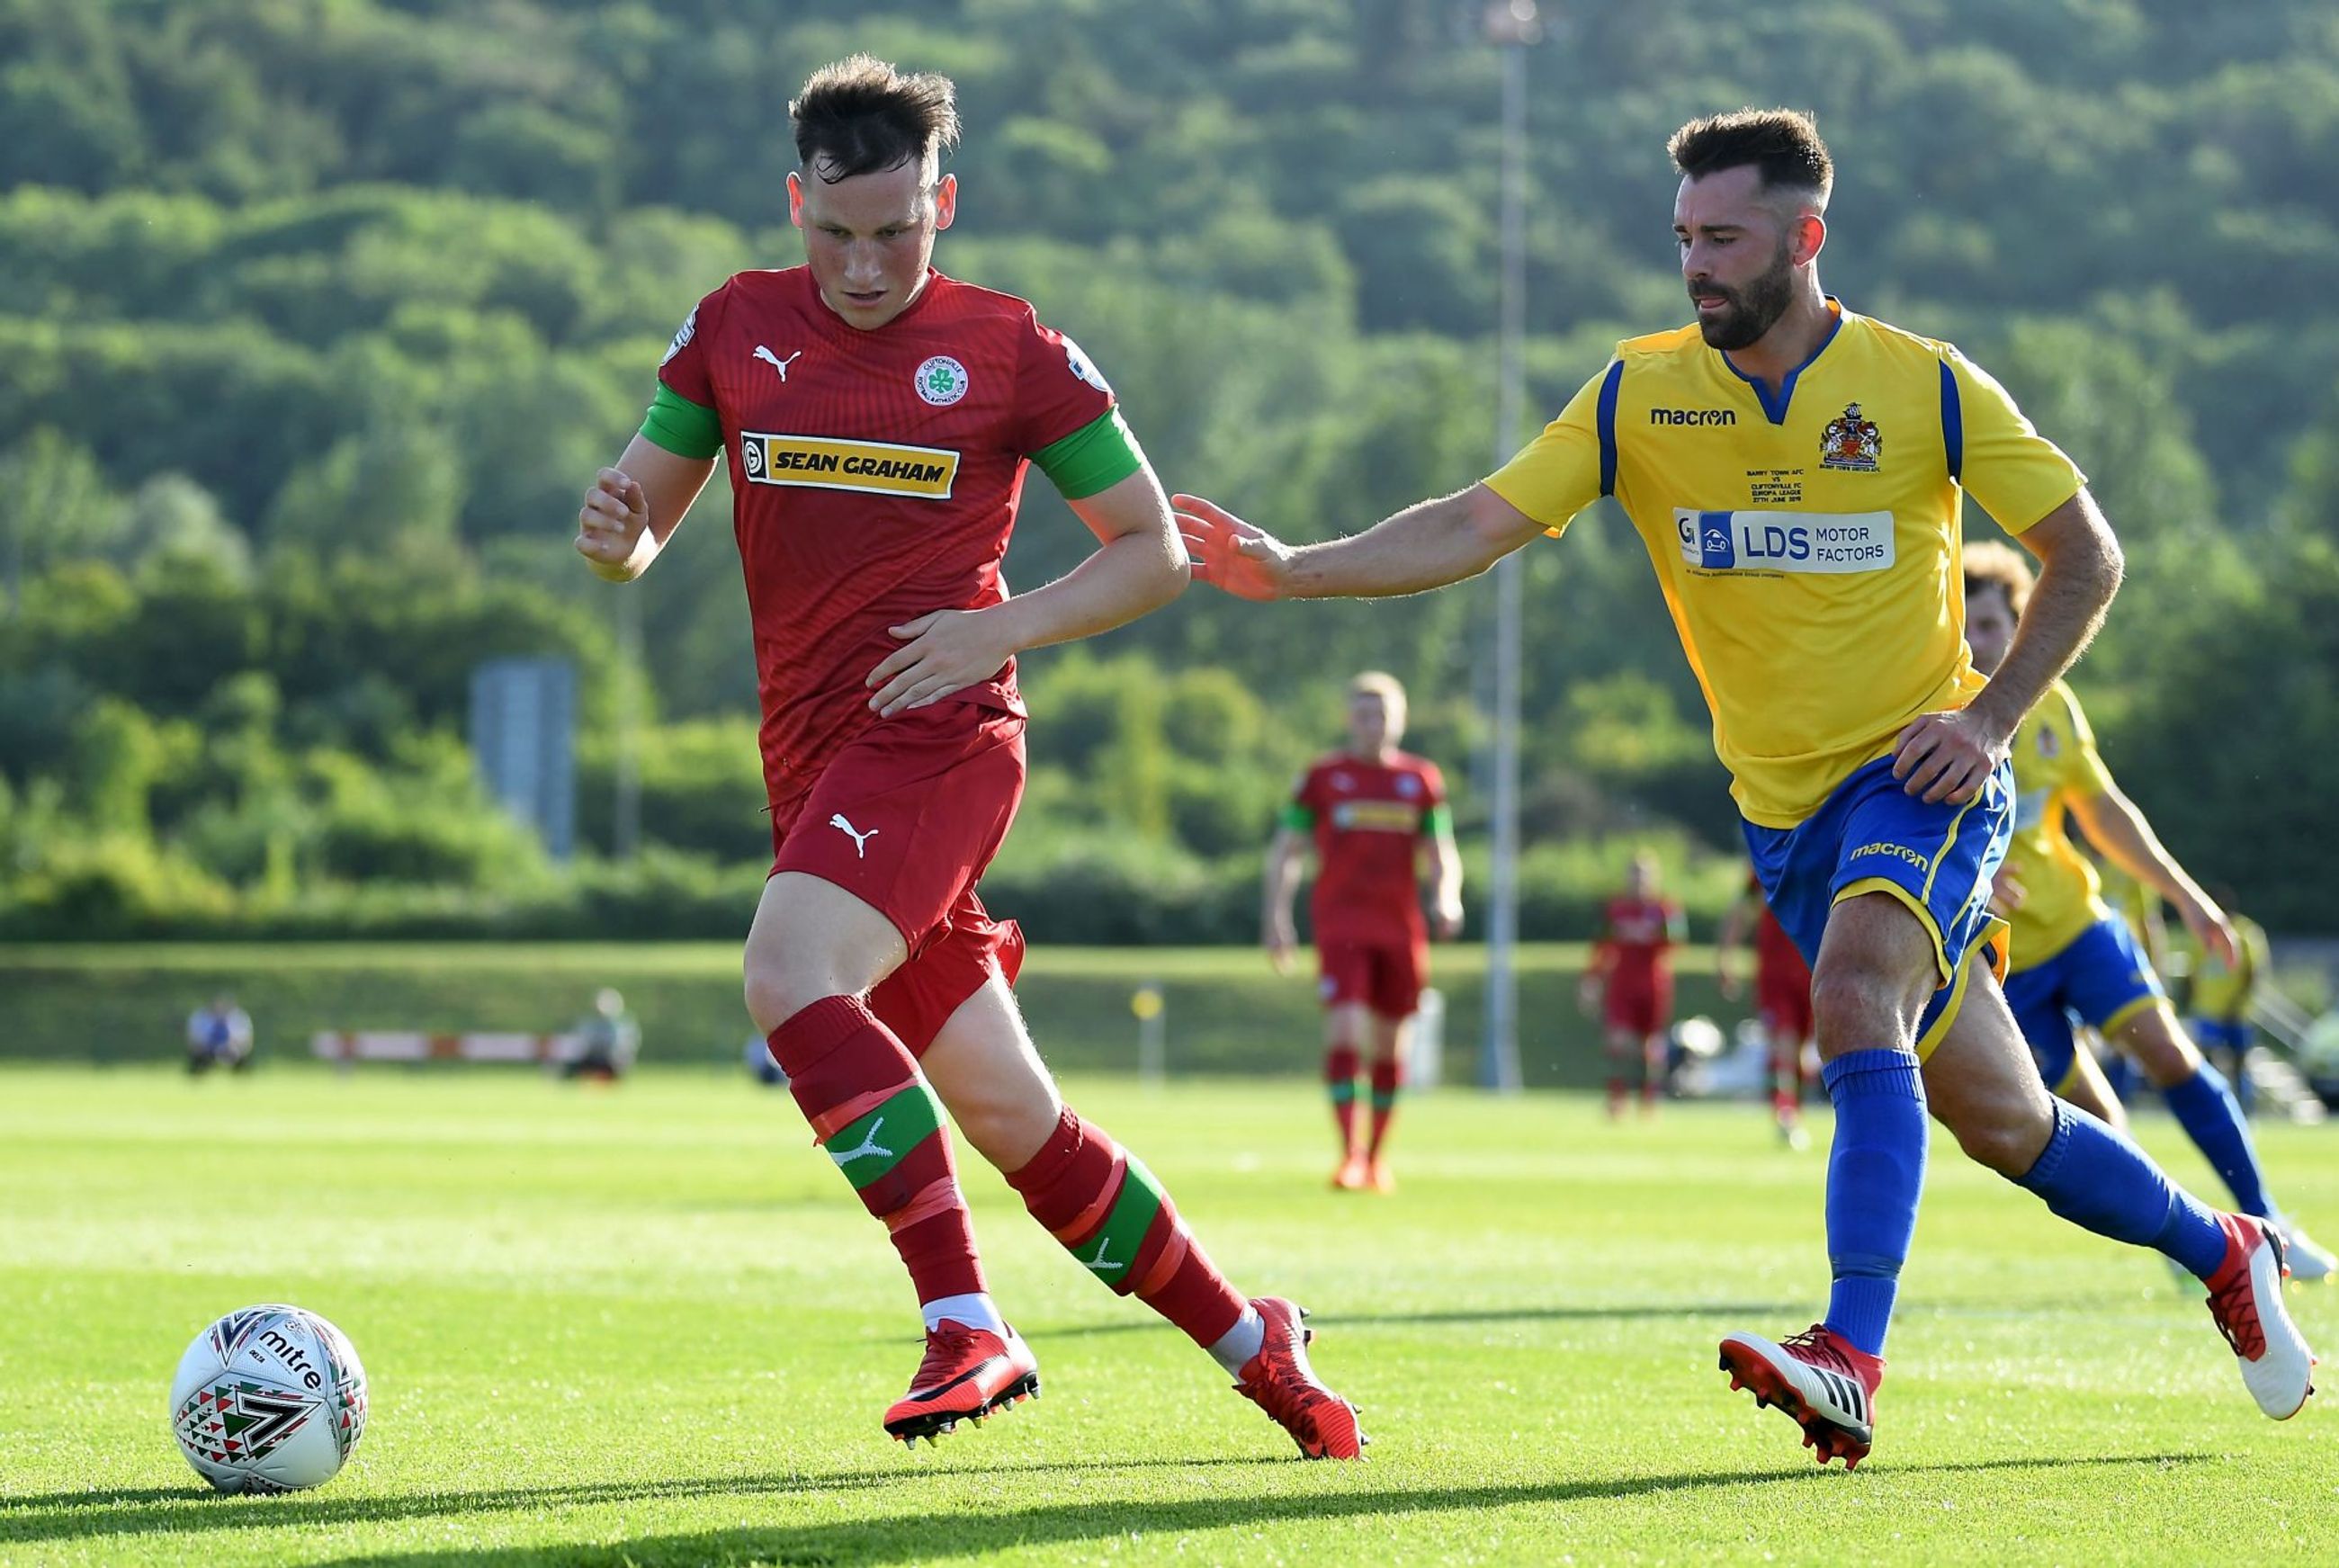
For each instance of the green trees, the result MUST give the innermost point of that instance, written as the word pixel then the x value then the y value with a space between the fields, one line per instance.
pixel 315 317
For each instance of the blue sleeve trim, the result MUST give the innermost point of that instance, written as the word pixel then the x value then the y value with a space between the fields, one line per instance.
pixel 1953 423
pixel 1608 427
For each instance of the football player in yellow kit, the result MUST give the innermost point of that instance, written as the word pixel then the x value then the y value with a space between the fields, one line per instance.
pixel 2076 962
pixel 1797 472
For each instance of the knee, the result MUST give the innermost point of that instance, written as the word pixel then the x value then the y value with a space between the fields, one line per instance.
pixel 1858 1008
pixel 2008 1134
pixel 777 990
pixel 1005 1129
pixel 2161 1050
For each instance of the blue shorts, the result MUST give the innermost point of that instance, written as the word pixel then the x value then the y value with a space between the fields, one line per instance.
pixel 2101 979
pixel 1871 836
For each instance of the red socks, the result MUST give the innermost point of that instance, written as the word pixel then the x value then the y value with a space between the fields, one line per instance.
pixel 1340 1075
pixel 1387 1075
pixel 875 1116
pixel 1112 1214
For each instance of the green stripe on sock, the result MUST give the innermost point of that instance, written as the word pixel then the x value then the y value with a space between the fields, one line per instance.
pixel 867 1149
pixel 1109 1253
pixel 1383 1099
pixel 1344 1093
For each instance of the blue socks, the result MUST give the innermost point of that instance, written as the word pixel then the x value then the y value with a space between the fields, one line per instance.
pixel 1876 1170
pixel 2094 1177
pixel 2206 1107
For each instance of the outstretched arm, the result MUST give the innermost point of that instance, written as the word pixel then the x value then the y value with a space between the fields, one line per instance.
pixel 1426 546
pixel 2115 826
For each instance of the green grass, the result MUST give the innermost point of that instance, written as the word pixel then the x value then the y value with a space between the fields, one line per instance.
pixel 649 1325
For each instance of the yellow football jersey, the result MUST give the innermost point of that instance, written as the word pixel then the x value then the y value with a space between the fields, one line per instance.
pixel 2138 905
pixel 1807 544
pixel 2055 759
pixel 2220 990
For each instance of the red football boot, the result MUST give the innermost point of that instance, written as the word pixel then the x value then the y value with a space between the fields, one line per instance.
pixel 1279 1381
pixel 968 1373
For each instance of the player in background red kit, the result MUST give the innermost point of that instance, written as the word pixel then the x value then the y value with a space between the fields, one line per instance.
pixel 1782 1002
pixel 878 418
pixel 1375 813
pixel 1630 984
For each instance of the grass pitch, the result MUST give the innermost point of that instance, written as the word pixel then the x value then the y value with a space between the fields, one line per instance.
pixel 650 1326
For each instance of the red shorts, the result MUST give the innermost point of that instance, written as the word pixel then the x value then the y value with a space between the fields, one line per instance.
pixel 1640 1007
pixel 1385 976
pixel 905 818
pixel 1785 1009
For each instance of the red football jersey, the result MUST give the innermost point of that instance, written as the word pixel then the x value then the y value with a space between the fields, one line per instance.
pixel 1635 937
pixel 875 475
pixel 1368 819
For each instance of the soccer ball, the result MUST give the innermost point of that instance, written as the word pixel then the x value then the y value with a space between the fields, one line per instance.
pixel 269 1399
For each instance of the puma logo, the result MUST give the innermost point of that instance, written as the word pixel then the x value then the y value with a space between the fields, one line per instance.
pixel 869 1145
pixel 777 363
pixel 1101 1264
pixel 860 840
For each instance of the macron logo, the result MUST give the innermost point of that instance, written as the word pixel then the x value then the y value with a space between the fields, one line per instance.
pixel 1692 416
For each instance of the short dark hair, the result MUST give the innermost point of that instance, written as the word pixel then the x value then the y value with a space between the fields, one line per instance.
pixel 1783 144
pixel 861 116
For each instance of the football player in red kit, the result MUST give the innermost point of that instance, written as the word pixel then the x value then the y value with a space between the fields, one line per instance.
pixel 878 419
pixel 1782 1002
pixel 1376 815
pixel 1630 984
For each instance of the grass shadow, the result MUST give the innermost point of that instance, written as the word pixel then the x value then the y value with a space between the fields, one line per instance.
pixel 124 1511
pixel 901 1537
pixel 1775 1312
pixel 955 1533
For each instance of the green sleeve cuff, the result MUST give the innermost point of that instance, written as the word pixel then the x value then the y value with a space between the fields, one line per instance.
pixel 686 428
pixel 1439 821
pixel 1297 817
pixel 1093 459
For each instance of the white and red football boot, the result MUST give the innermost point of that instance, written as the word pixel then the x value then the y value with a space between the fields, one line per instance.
pixel 2246 1298
pixel 1821 1380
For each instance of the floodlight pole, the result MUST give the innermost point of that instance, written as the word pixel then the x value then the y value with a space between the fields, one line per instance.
pixel 1511 25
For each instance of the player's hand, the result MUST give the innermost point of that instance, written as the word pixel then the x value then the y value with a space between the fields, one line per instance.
pixel 2211 929
pixel 1230 554
pixel 1446 920
pixel 1587 998
pixel 1281 942
pixel 610 523
pixel 1948 756
pixel 2006 892
pixel 1726 977
pixel 945 652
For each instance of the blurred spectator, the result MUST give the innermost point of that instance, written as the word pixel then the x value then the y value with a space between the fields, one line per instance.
pixel 219 1034
pixel 760 1065
pixel 611 1037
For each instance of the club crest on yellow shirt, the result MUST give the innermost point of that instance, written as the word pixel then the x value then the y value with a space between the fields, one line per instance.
pixel 1851 441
